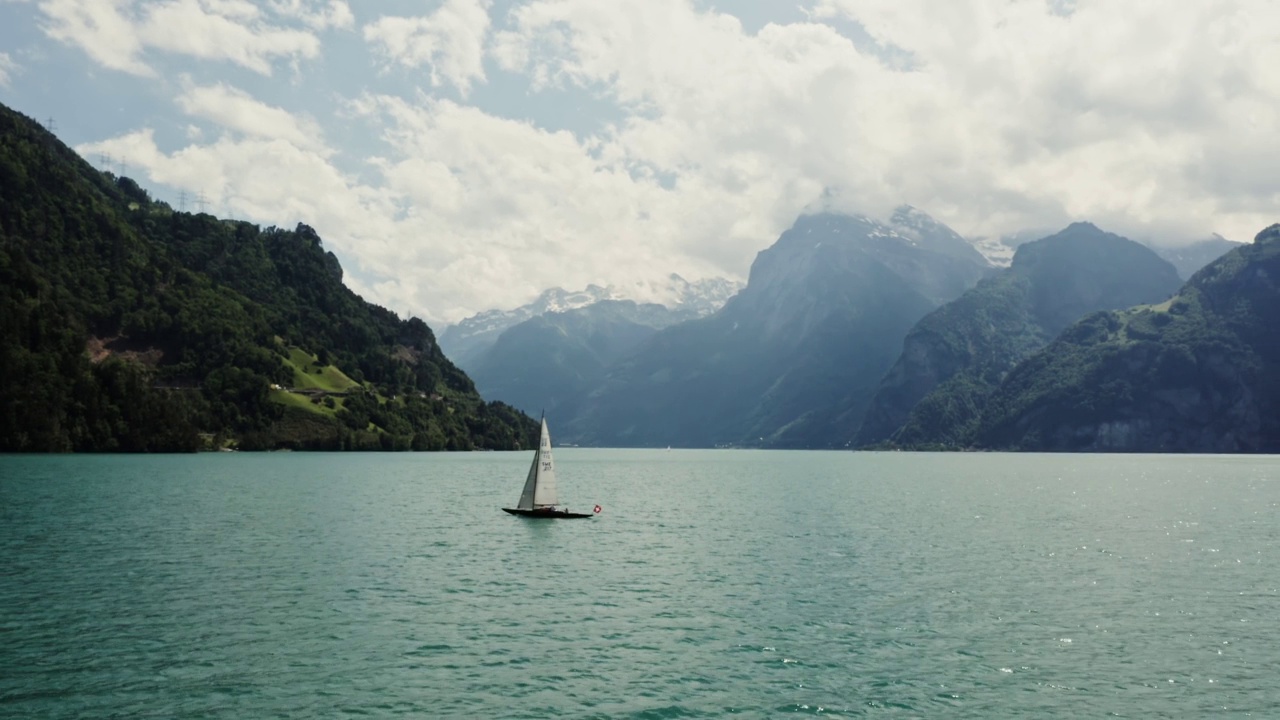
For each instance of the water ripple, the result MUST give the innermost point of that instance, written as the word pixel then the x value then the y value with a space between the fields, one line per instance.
pixel 760 584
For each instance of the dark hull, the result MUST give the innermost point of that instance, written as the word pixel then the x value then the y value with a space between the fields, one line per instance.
pixel 549 514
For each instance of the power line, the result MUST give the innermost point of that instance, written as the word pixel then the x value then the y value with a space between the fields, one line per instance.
pixel 50 125
pixel 182 201
pixel 201 202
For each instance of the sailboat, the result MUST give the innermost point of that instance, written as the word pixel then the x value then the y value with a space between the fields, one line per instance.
pixel 538 499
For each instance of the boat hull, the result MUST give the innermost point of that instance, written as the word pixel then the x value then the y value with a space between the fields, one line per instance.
pixel 548 514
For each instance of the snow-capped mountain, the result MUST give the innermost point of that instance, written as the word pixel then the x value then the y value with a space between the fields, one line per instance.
pixel 793 359
pixel 668 301
pixel 1187 258
pixel 688 299
pixel 920 229
pixel 999 251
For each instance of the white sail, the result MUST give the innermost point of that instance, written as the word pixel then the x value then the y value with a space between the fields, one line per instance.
pixel 540 487
pixel 526 495
pixel 544 490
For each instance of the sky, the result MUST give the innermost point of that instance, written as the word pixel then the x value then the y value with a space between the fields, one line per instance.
pixel 463 155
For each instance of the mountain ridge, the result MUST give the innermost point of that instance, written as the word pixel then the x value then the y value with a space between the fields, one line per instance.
pixel 784 363
pixel 956 355
pixel 466 341
pixel 1197 373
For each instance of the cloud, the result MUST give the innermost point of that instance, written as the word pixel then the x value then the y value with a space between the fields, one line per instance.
pixel 7 68
pixel 497 210
pixel 100 28
pixel 255 177
pixel 185 27
pixel 1122 113
pixel 1010 114
pixel 241 10
pixel 316 15
pixel 484 195
pixel 759 123
pixel 1004 115
pixel 117 33
pixel 450 41
pixel 465 211
pixel 234 109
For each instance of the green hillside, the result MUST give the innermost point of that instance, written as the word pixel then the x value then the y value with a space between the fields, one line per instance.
pixel 1200 373
pixel 956 356
pixel 309 374
pixel 127 326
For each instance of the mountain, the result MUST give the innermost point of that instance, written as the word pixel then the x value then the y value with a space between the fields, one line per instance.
pixel 550 360
pixel 669 302
pixel 1197 373
pixel 999 251
pixel 126 326
pixel 791 360
pixel 1190 258
pixel 957 355
pixel 920 229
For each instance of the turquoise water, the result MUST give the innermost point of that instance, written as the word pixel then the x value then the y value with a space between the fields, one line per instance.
pixel 714 583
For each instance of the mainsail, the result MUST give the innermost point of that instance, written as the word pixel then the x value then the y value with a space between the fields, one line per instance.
pixel 540 487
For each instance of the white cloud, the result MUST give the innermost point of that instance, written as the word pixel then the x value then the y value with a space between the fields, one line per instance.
pixel 468 211
pixel 450 41
pixel 1125 113
pixel 494 206
pixel 316 15
pixel 185 27
pixel 1008 115
pixel 117 33
pixel 7 68
pixel 240 10
pixel 267 179
pixel 100 28
pixel 234 109
pixel 1011 114
pixel 757 123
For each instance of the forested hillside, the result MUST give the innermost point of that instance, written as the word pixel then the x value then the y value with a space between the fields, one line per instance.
pixel 1198 373
pixel 957 355
pixel 127 326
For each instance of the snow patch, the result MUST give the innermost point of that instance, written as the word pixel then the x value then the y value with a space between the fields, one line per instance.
pixel 698 298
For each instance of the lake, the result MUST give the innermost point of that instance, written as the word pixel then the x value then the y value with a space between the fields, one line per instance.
pixel 714 582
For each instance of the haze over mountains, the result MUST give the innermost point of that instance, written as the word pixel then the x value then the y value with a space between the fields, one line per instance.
pixel 957 354
pixel 826 306
pixel 850 332
pixel 1191 257
pixel 1197 373
pixel 668 303
pixel 790 360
